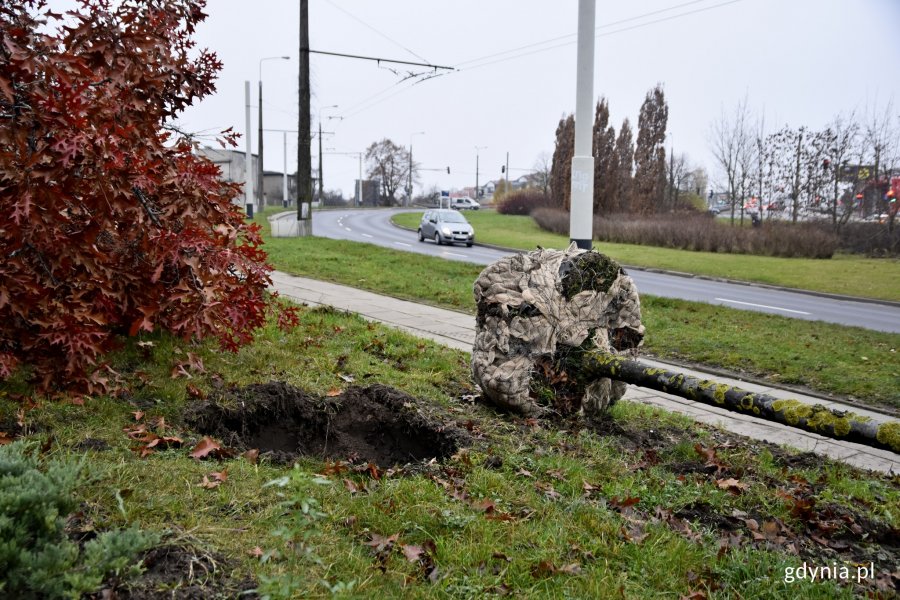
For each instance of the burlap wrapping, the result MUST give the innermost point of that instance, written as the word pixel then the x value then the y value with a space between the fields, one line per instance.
pixel 524 316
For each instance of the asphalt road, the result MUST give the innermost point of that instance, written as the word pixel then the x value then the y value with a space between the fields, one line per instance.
pixel 374 226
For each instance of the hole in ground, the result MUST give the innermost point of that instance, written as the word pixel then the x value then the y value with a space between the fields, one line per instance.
pixel 376 424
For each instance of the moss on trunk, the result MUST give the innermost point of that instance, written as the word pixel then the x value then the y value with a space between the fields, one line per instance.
pixel 836 424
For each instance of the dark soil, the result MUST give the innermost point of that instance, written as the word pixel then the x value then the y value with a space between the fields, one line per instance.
pixel 375 424
pixel 180 573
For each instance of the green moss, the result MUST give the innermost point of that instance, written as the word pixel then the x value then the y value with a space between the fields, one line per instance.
pixel 817 417
pixel 719 393
pixel 889 435
pixel 793 410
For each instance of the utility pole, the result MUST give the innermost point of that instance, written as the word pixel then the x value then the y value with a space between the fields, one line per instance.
pixel 409 187
pixel 477 148
pixel 581 215
pixel 304 159
pixel 248 158
pixel 284 176
pixel 321 183
pixel 260 192
pixel 506 191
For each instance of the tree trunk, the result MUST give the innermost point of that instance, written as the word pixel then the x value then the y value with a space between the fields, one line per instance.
pixel 816 418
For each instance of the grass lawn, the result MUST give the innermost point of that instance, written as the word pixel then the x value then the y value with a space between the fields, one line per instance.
pixel 833 359
pixel 646 505
pixel 843 274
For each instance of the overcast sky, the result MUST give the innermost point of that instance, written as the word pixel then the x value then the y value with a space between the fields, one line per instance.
pixel 799 62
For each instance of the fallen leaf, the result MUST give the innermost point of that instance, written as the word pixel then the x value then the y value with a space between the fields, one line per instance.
pixel 411 552
pixel 209 484
pixel 333 392
pixel 256 551
pixel 351 486
pixel 624 502
pixel 557 474
pixel 486 506
pixel 204 447
pixel 732 485
pixel 195 392
pixel 380 543
pixel 252 455
pixel 138 415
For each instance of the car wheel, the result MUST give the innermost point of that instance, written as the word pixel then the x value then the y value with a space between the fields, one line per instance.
pixel 437 238
pixel 421 237
pixel 468 244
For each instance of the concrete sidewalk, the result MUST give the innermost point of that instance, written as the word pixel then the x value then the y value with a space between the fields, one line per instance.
pixel 457 330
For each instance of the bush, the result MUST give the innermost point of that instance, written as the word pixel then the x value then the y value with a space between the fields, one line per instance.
pixel 523 202
pixel 871 239
pixel 37 560
pixel 692 231
pixel 111 225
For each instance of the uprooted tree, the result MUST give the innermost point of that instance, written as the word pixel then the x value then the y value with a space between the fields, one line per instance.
pixel 111 225
pixel 557 332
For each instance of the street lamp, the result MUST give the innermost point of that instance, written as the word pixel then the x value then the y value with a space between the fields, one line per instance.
pixel 477 148
pixel 321 178
pixel 409 182
pixel 259 168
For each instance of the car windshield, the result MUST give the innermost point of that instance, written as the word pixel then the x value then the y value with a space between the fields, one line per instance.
pixel 453 217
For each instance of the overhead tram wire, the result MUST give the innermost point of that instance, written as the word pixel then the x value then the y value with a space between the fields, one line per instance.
pixel 572 35
pixel 385 36
pixel 364 106
pixel 605 34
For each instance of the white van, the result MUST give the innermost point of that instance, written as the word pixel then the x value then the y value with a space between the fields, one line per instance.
pixel 464 204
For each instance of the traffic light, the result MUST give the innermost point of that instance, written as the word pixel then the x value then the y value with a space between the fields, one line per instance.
pixel 503 168
pixel 448 170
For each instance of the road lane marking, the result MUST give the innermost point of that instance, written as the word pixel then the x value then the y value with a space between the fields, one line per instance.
pixel 348 229
pixel 798 312
pixel 402 244
pixel 367 235
pixel 455 254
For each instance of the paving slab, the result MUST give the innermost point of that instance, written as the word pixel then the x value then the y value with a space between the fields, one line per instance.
pixel 457 330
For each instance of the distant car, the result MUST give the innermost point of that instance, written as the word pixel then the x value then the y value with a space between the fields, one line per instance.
pixel 464 204
pixel 446 226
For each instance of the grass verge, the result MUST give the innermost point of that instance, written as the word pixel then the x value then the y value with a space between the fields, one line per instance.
pixel 833 359
pixel 647 505
pixel 843 274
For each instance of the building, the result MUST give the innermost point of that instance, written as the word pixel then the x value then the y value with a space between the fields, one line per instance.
pixel 232 164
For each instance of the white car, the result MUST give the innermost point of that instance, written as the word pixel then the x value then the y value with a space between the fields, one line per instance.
pixel 446 227
pixel 464 204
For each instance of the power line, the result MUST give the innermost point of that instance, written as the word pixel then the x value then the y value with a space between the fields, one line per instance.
pixel 572 35
pixel 385 36
pixel 364 106
pixel 569 43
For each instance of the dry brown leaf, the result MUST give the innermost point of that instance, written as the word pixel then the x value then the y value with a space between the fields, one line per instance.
pixel 204 447
pixel 411 552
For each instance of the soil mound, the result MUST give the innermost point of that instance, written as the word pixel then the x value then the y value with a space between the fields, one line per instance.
pixel 376 424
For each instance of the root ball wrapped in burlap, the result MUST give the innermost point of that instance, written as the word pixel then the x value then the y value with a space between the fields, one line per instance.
pixel 536 309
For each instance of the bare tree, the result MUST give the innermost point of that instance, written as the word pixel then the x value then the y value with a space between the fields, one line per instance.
pixel 844 134
pixel 678 172
pixel 389 164
pixel 540 174
pixel 730 138
pixel 881 147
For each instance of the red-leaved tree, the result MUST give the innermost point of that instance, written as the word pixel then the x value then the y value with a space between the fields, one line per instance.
pixel 109 224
